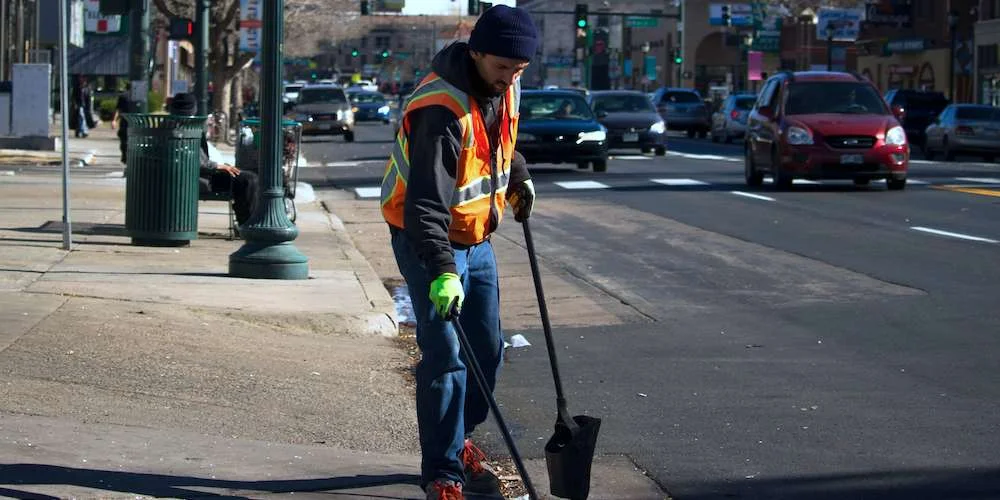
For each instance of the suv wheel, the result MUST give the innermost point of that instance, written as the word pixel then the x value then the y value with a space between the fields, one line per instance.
pixel 753 177
pixel 949 155
pixel 349 136
pixel 781 179
pixel 661 150
pixel 600 165
pixel 895 184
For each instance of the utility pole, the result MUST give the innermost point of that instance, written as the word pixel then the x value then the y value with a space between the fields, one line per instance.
pixel 138 69
pixel 202 12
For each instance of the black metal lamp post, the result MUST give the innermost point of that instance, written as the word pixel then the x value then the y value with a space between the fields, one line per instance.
pixel 268 251
pixel 830 30
pixel 952 29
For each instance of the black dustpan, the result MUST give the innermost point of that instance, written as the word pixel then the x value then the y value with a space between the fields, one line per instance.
pixel 570 451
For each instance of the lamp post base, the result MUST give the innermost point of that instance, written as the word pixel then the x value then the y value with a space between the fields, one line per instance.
pixel 269 260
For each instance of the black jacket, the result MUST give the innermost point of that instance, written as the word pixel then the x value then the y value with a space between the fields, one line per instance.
pixel 435 143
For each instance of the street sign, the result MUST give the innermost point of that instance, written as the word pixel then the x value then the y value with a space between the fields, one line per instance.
pixel 739 14
pixel 641 22
pixel 250 25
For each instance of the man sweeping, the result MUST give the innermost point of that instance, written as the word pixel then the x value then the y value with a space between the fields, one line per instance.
pixel 447 182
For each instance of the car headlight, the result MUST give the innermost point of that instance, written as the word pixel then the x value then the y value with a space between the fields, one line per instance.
pixel 896 136
pixel 798 136
pixel 525 137
pixel 354 109
pixel 384 110
pixel 595 136
pixel 658 127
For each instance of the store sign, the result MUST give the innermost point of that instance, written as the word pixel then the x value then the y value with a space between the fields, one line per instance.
pixel 250 25
pixel 896 13
pixel 846 24
pixel 767 29
pixel 95 23
pixel 906 45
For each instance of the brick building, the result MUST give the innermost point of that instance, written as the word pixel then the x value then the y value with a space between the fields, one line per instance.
pixel 987 63
pixel 910 45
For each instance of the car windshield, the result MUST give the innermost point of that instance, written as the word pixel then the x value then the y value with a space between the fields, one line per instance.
pixel 312 96
pixel 745 103
pixel 984 113
pixel 366 97
pixel 554 107
pixel 622 103
pixel 680 97
pixel 808 98
pixel 293 88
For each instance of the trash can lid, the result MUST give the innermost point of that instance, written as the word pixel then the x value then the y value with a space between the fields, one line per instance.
pixel 255 122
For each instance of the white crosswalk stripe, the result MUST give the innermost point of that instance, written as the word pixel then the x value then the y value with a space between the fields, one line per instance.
pixel 582 185
pixel 982 180
pixel 368 192
pixel 679 182
pixel 629 157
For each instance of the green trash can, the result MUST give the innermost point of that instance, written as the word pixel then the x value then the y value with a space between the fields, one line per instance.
pixel 161 187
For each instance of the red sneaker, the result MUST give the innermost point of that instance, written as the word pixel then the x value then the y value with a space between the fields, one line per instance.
pixel 445 489
pixel 479 476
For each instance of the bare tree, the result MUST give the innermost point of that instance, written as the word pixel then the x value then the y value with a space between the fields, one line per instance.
pixel 306 21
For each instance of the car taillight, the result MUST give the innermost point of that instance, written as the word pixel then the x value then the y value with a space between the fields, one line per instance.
pixel 735 114
pixel 964 131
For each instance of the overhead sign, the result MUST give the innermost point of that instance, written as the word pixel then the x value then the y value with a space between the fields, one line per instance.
pixel 846 24
pixel 250 25
pixel 767 29
pixel 641 22
pixel 95 23
pixel 740 14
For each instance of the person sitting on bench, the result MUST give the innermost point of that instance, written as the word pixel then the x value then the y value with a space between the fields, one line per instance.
pixel 221 177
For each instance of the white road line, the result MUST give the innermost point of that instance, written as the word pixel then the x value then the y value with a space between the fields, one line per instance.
pixel 953 235
pixel 751 195
pixel 630 157
pixel 582 185
pixel 7 172
pixel 368 192
pixel 770 180
pixel 692 156
pixel 982 180
pixel 679 182
pixel 914 182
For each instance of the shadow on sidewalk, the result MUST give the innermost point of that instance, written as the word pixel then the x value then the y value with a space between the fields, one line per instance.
pixel 158 485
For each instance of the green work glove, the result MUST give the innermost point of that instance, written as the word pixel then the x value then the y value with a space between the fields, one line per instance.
pixel 521 198
pixel 446 290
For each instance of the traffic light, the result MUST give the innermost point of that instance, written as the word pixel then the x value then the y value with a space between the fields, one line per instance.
pixel 581 16
pixel 354 52
pixel 365 8
pixel 726 19
pixel 385 54
pixel 181 28
pixel 678 58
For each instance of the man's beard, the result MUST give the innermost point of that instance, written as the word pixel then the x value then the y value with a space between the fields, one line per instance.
pixel 499 87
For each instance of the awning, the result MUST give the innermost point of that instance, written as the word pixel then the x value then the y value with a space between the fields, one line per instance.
pixel 103 55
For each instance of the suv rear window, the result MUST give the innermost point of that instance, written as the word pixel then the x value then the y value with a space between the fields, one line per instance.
pixel 680 97
pixel 310 96
pixel 808 98
pixel 745 103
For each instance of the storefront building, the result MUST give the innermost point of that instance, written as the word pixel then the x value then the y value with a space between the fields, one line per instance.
pixel 987 76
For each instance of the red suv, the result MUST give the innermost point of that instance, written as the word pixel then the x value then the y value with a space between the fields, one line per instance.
pixel 824 125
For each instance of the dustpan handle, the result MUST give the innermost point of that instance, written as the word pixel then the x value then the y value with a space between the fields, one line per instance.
pixel 564 416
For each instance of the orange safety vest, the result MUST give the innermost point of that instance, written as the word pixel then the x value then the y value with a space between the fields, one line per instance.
pixel 474 186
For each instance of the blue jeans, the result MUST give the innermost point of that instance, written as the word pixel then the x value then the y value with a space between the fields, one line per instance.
pixel 449 402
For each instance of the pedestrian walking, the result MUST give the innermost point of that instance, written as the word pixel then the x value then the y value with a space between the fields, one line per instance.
pixel 451 174
pixel 81 108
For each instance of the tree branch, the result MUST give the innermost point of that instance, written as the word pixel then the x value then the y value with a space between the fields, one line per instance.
pixel 234 8
pixel 161 5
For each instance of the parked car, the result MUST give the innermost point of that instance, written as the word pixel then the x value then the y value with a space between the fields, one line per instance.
pixel 824 125
pixel 369 106
pixel 683 109
pixel 964 128
pixel 631 120
pixel 558 126
pixel 291 92
pixel 730 120
pixel 324 110
pixel 920 108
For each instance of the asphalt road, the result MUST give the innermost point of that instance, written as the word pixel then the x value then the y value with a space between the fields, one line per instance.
pixel 824 342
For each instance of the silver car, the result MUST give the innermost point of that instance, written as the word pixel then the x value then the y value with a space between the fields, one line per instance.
pixel 683 109
pixel 964 129
pixel 730 120
pixel 324 110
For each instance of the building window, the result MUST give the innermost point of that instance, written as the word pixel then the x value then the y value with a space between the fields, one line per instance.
pixel 988 56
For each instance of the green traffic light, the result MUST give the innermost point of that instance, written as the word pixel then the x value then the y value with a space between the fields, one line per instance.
pixel 678 60
pixel 581 23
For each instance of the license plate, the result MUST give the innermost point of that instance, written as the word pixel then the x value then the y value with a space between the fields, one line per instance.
pixel 852 159
pixel 630 137
pixel 324 126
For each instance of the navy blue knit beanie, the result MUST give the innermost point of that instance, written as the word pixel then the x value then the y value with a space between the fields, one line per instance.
pixel 505 32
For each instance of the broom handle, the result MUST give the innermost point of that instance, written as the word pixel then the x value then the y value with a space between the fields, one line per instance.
pixel 481 382
pixel 547 328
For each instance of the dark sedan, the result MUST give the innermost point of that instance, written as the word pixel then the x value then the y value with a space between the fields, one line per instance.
pixel 631 120
pixel 369 106
pixel 557 126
